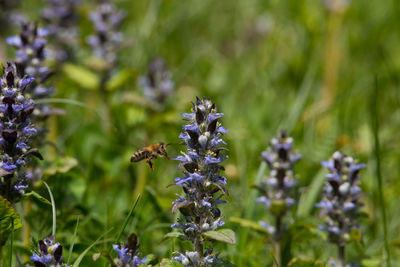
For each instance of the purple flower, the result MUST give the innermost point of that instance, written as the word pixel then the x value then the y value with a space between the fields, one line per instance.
pixel 189 116
pixel 107 39
pixel 277 188
pixel 50 253
pixel 8 166
pixel 24 82
pixel 29 130
pixel 19 187
pixel 340 204
pixel 31 57
pixel 14 41
pixel 201 182
pixel 212 160
pixel 17 108
pixel 61 18
pixel 158 86
pixel 16 132
pixel 127 253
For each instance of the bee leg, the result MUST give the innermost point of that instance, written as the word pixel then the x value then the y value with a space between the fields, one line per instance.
pixel 166 155
pixel 150 164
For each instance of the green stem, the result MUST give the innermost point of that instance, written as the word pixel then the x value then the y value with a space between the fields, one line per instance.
pixel 278 238
pixel 105 101
pixel 375 126
pixel 248 213
pixel 53 208
pixel 11 241
pixel 199 247
pixel 341 256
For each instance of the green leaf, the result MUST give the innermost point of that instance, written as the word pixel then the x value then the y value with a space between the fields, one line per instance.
pixel 82 76
pixel 396 243
pixel 278 207
pixel 225 264
pixel 38 197
pixel 373 262
pixel 97 64
pixel 304 232
pixel 355 235
pixel 169 263
pixel 82 255
pixel 71 248
pixel 134 115
pixel 173 234
pixel 118 79
pixel 61 165
pixel 127 219
pixel 223 235
pixel 305 262
pixel 308 199
pixel 248 223
pixel 7 217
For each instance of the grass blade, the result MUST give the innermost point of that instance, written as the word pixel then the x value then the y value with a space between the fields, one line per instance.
pixel 82 255
pixel 127 219
pixel 244 232
pixel 53 208
pixel 11 241
pixel 308 199
pixel 375 129
pixel 73 240
pixel 302 96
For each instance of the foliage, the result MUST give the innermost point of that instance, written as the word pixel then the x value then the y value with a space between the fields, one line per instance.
pixel 267 65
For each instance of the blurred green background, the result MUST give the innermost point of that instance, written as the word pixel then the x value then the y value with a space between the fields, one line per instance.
pixel 268 65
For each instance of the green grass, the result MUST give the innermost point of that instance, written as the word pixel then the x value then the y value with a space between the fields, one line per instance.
pixel 264 64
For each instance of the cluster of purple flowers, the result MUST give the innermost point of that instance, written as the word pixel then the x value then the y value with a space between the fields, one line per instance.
pixel 128 253
pixel 31 54
pixel 157 85
pixel 340 204
pixel 61 17
pixel 49 255
pixel 108 39
pixel 201 181
pixel 16 132
pixel 277 189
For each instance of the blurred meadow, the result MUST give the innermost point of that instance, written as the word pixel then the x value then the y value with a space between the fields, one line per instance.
pixel 326 74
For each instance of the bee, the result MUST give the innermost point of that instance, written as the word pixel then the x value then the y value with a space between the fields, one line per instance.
pixel 151 152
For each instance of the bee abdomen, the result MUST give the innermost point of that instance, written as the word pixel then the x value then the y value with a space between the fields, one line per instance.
pixel 138 156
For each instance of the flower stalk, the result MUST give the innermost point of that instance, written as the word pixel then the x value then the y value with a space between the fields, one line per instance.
pixel 16 133
pixel 157 85
pixel 61 18
pixel 49 254
pixel 128 253
pixel 202 183
pixel 277 189
pixel 340 204
pixel 106 42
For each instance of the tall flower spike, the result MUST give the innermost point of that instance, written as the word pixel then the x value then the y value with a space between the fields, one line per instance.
pixel 49 255
pixel 277 189
pixel 201 181
pixel 128 253
pixel 157 85
pixel 108 39
pixel 340 204
pixel 61 19
pixel 16 132
pixel 30 56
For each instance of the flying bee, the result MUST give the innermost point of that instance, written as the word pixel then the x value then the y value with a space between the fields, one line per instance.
pixel 151 152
